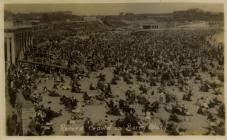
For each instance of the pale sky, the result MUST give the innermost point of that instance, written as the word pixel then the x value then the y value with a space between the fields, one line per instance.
pixel 113 9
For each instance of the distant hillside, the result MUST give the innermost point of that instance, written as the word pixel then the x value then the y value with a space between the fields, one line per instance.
pixel 43 17
pixel 113 21
pixel 197 14
pixel 119 20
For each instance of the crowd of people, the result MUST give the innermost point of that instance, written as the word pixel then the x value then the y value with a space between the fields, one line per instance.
pixel 161 58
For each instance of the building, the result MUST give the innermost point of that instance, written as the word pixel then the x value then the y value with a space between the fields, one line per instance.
pixel 16 40
pixel 150 26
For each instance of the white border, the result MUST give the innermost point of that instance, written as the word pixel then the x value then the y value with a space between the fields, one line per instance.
pixel 2 72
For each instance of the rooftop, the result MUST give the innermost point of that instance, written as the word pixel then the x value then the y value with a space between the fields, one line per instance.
pixel 11 26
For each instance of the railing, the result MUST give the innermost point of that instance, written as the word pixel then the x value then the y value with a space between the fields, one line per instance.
pixel 46 65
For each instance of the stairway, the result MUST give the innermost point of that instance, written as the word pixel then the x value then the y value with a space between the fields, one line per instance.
pixel 26 114
pixel 27 111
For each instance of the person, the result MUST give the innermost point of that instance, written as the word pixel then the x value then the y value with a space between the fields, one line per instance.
pixel 175 118
pixel 162 57
pixel 13 96
pixel 108 91
pixel 86 97
pixel 91 87
pixel 188 96
pixel 172 129
pixel 113 107
pixel 14 116
pixel 11 126
pixel 88 124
